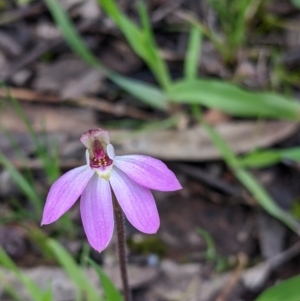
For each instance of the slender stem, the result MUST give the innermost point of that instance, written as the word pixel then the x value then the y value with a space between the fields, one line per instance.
pixel 121 250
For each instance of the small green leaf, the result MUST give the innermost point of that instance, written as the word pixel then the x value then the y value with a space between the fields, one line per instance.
pixel 259 159
pixel 287 290
pixel 264 158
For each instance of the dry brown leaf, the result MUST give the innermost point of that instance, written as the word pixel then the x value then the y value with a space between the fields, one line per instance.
pixel 192 144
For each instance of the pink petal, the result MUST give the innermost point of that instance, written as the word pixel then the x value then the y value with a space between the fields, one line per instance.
pixel 97 213
pixel 64 193
pixel 136 201
pixel 148 172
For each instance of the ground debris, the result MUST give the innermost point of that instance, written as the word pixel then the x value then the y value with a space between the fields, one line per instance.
pixel 64 289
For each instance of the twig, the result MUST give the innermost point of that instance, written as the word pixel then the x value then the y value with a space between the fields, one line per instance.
pixel 98 104
pixel 36 164
pixel 164 10
pixel 286 255
pixel 112 108
pixel 208 179
pixel 28 95
pixel 255 277
pixel 234 278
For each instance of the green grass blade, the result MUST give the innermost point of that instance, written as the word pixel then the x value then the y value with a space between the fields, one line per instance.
pixel 18 152
pixel 110 291
pixel 50 163
pixel 257 191
pixel 48 296
pixel 130 29
pixel 192 57
pixel 234 100
pixel 133 34
pixel 210 253
pixel 140 40
pixel 23 184
pixel 39 238
pixel 35 292
pixel 71 35
pixel 265 200
pixel 144 92
pixel 287 290
pixel 10 290
pixel 156 63
pixel 75 273
pixel 8 263
pixel 48 153
pixel 205 30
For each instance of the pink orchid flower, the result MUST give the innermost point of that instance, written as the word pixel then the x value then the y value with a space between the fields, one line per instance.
pixel 130 177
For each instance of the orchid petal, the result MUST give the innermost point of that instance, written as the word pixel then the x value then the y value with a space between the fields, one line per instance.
pixel 110 151
pixel 96 210
pixel 148 172
pixel 136 201
pixel 64 193
pixel 87 157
